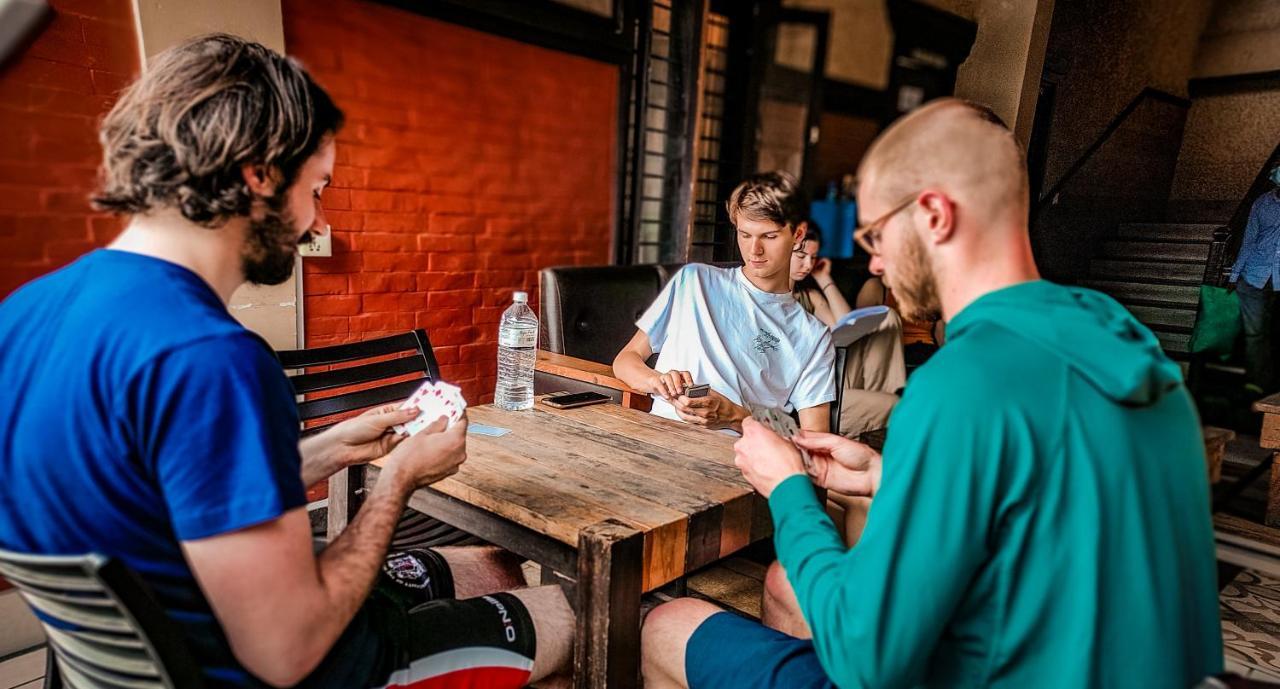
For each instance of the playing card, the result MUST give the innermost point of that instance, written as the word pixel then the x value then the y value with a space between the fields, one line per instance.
pixel 433 400
pixel 781 423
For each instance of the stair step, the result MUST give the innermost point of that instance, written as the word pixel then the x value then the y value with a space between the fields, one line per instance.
pixel 1185 296
pixel 1173 342
pixel 1166 273
pixel 1177 232
pixel 1157 251
pixel 1163 316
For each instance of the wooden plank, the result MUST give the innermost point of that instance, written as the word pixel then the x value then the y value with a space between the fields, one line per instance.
pixel 582 456
pixel 1273 494
pixel 607 652
pixel 1270 436
pixel 674 436
pixel 1215 449
pixel 344 500
pixel 1268 405
pixel 581 369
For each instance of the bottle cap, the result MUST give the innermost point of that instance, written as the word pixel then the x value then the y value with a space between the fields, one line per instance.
pixel 520 297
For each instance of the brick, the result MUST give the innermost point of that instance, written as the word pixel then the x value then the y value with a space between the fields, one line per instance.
pixel 442 318
pixel 369 283
pixel 372 322
pixel 458 371
pixel 428 282
pixel 434 243
pixel 15 199
pixel 394 302
pixel 327 325
pixel 446 223
pixel 454 299
pixel 336 199
pixel 445 355
pixel 325 284
pixel 450 262
pixel 334 305
pixel 382 241
pixel 394 262
pixel 394 222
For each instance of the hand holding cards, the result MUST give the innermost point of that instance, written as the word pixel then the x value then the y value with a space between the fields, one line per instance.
pixel 781 423
pixel 434 400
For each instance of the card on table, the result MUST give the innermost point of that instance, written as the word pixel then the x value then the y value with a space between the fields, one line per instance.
pixel 781 423
pixel 433 400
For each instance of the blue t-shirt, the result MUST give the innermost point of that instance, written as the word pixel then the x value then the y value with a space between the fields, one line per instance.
pixel 137 413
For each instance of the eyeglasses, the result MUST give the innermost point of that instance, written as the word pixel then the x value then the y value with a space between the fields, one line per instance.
pixel 868 236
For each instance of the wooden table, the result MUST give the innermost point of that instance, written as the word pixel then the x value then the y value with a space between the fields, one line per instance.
pixel 1269 407
pixel 614 500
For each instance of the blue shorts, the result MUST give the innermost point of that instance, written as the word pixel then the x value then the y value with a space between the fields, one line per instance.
pixel 733 652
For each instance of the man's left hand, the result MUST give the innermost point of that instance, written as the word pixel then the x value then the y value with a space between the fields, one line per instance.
pixel 368 436
pixel 715 411
pixel 765 458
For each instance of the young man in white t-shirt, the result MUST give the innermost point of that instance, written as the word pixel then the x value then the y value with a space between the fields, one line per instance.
pixel 738 330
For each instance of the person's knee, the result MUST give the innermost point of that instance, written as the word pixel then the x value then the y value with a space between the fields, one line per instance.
pixel 665 636
pixel 777 587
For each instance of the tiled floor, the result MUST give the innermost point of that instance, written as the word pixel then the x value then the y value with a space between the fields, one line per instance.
pixel 1250 619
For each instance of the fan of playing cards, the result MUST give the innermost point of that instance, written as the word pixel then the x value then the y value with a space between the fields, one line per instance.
pixel 781 423
pixel 434 400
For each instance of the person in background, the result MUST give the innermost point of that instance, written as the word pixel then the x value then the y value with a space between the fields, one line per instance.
pixel 1259 265
pixel 737 329
pixel 875 369
pixel 1041 509
pixel 920 338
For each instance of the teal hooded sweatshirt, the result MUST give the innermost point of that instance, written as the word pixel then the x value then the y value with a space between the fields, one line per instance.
pixel 1042 519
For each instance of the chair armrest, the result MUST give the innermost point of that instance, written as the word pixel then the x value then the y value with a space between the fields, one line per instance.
pixel 592 372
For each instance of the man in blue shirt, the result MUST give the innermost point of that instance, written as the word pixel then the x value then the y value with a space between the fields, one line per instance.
pixel 1259 264
pixel 142 422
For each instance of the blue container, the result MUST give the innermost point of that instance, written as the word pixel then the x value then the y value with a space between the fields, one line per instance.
pixel 837 219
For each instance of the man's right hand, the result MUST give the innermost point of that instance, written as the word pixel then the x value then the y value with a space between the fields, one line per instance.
pixel 669 385
pixel 434 453
pixel 842 465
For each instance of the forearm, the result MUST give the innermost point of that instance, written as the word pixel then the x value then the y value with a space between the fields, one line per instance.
pixel 835 299
pixel 321 457
pixel 632 370
pixel 348 567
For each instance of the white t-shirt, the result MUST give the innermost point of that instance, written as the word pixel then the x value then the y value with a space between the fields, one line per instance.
pixel 754 347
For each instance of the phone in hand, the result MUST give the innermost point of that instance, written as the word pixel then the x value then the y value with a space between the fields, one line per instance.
pixel 576 399
pixel 696 391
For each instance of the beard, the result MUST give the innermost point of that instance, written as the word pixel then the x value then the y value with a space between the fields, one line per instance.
pixel 915 286
pixel 270 245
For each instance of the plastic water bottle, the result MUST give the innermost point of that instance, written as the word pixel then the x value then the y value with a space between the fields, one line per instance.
pixel 517 354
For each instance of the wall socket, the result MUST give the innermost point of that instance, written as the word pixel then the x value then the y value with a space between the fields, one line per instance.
pixel 320 246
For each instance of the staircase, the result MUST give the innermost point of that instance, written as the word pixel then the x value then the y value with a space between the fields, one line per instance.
pixel 1155 271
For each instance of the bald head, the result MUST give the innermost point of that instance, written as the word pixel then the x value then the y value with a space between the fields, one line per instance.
pixel 960 147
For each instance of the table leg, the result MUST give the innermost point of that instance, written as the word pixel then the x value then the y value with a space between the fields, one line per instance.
pixel 1272 517
pixel 607 652
pixel 344 499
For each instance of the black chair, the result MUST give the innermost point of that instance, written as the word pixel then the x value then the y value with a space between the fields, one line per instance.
pixel 590 312
pixel 378 371
pixel 104 626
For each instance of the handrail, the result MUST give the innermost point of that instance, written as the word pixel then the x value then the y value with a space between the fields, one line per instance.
pixel 1111 128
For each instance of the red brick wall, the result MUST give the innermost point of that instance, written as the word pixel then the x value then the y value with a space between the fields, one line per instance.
pixel 468 162
pixel 52 94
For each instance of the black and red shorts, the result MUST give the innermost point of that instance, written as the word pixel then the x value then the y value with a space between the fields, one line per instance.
pixel 412 633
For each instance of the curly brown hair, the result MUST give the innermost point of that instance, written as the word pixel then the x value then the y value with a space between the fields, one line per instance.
pixel 180 135
pixel 769 196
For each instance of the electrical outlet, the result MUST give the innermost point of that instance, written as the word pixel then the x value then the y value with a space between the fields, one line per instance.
pixel 320 246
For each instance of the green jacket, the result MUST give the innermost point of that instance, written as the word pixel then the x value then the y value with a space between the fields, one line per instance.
pixel 1042 519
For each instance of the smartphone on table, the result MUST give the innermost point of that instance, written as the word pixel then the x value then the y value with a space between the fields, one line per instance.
pixel 575 399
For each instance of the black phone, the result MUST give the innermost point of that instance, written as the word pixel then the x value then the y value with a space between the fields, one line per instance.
pixel 576 399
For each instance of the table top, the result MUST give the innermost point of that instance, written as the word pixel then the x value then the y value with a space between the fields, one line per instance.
pixel 560 471
pixel 1268 405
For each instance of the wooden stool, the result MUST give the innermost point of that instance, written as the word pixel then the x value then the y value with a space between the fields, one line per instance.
pixel 1215 448
pixel 1269 407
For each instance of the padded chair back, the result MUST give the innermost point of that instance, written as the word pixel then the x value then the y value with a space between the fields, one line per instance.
pixel 105 629
pixel 379 382
pixel 590 312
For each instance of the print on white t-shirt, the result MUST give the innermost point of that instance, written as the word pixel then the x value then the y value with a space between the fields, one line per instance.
pixel 754 347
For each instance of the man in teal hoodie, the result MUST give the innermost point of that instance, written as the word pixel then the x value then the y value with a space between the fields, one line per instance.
pixel 1042 516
